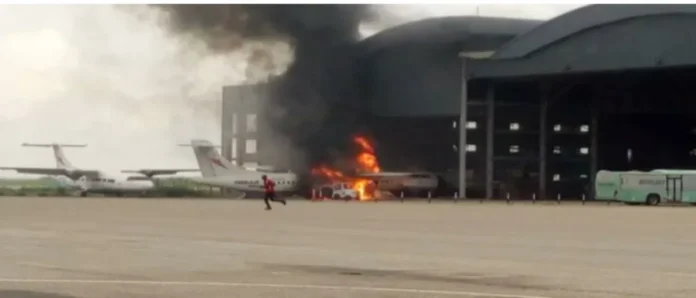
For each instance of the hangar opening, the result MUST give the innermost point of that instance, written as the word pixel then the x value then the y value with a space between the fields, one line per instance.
pixel 621 121
pixel 573 126
pixel 608 87
pixel 650 124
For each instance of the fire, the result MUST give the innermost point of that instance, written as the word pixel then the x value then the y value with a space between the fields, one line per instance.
pixel 365 161
pixel 328 173
pixel 363 143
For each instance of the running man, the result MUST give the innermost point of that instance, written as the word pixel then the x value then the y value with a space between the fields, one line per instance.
pixel 269 192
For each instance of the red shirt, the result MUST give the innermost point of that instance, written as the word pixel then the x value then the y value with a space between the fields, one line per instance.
pixel 269 185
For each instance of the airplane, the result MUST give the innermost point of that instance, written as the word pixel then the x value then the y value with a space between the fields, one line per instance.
pixel 150 173
pixel 63 182
pixel 84 181
pixel 219 172
pixel 410 183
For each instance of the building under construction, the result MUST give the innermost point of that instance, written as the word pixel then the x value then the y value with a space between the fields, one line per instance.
pixel 547 104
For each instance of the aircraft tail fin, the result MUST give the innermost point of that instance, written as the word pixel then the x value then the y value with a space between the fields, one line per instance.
pixel 62 161
pixel 210 161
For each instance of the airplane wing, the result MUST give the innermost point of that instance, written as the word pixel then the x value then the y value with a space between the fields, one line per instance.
pixel 154 172
pixel 87 173
pixel 53 171
pixel 384 174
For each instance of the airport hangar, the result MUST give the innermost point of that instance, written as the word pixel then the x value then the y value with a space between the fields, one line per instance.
pixel 547 103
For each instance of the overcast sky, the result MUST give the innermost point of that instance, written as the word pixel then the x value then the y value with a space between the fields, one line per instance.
pixel 112 79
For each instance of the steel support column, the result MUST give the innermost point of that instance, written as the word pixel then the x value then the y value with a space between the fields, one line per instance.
pixel 490 129
pixel 543 113
pixel 594 131
pixel 462 129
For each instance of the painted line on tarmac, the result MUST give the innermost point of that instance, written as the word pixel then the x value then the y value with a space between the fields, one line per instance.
pixel 264 285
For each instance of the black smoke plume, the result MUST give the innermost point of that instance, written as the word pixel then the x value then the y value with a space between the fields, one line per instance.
pixel 316 103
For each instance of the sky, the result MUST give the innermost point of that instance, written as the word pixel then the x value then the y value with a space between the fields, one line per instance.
pixel 111 78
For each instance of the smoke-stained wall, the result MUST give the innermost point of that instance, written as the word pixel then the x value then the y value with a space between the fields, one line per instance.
pixel 415 80
pixel 240 131
pixel 247 136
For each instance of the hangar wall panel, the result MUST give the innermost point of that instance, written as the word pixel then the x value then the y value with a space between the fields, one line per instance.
pixel 242 128
pixel 415 80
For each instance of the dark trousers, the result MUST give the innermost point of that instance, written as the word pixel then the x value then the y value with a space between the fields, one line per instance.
pixel 269 196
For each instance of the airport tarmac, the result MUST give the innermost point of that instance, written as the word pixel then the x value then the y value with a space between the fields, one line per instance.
pixel 156 248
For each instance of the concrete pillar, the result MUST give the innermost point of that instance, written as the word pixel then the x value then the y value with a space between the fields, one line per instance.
pixel 490 134
pixel 543 129
pixel 594 131
pixel 462 130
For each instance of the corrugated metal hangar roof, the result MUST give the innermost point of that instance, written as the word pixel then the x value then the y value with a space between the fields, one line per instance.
pixel 455 29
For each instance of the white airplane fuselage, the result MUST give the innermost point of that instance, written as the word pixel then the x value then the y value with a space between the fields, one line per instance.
pixel 111 184
pixel 217 171
pixel 250 181
pixel 406 182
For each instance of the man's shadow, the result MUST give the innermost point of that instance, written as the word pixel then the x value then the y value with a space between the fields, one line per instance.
pixel 30 294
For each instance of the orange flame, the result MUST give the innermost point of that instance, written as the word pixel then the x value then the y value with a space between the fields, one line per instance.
pixel 328 173
pixel 364 144
pixel 366 161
